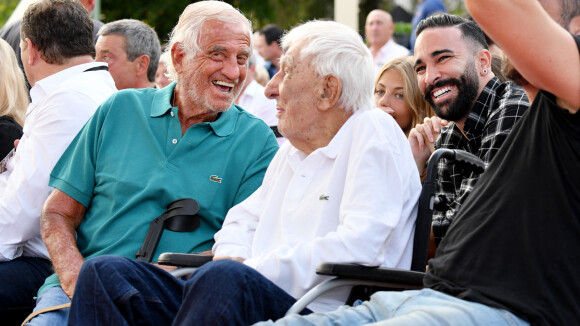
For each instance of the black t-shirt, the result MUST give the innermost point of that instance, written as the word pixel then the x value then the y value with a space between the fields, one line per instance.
pixel 9 132
pixel 516 242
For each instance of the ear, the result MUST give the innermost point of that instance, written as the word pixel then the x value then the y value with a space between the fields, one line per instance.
pixel 177 56
pixel 330 92
pixel 32 52
pixel 574 26
pixel 483 62
pixel 142 64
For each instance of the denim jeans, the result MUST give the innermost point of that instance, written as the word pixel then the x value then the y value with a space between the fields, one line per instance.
pixel 117 291
pixel 21 279
pixel 50 297
pixel 408 308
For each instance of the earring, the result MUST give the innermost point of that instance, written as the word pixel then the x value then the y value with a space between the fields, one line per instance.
pixel 484 71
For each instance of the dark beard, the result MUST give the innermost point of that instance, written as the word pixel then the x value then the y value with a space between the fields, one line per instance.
pixel 467 87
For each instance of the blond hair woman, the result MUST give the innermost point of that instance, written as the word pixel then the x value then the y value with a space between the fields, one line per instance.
pixel 13 99
pixel 397 93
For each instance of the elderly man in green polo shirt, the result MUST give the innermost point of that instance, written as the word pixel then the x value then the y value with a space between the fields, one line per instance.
pixel 144 148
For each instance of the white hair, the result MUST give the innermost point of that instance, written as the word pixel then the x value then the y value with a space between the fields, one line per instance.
pixel 188 28
pixel 336 49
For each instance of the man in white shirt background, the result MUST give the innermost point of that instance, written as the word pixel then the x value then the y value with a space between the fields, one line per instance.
pixel 253 99
pixel 67 87
pixel 379 29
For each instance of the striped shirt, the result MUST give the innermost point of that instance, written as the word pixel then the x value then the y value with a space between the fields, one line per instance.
pixel 498 108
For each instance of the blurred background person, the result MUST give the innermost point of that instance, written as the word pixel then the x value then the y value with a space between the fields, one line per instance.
pixel 161 79
pixel 13 99
pixel 425 8
pixel 397 93
pixel 253 99
pixel 379 29
pixel 268 46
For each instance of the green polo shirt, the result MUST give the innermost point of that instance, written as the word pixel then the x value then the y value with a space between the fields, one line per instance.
pixel 130 161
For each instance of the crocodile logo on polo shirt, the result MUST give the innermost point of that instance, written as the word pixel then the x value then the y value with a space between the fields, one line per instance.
pixel 323 197
pixel 215 178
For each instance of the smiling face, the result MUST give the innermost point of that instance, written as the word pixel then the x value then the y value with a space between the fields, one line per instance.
pixel 111 49
pixel 295 88
pixel 446 72
pixel 390 97
pixel 214 76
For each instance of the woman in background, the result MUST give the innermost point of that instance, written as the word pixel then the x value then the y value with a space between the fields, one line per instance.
pixel 397 93
pixel 13 99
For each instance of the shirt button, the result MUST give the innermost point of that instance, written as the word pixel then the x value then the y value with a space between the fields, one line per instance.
pixel 174 141
pixel 172 114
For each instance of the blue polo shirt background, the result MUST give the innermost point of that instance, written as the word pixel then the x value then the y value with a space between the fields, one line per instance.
pixel 130 161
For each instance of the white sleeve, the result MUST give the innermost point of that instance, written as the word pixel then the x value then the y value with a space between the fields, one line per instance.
pixel 236 235
pixel 47 134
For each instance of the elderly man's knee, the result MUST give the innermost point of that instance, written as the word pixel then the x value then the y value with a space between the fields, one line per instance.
pixel 225 270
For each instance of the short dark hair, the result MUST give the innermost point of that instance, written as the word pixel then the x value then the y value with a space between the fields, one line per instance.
pixel 59 29
pixel 469 29
pixel 272 33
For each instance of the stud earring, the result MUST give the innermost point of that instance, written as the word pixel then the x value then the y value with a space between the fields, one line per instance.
pixel 484 71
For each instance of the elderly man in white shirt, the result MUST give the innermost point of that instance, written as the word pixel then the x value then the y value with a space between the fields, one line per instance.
pixel 379 29
pixel 343 188
pixel 67 87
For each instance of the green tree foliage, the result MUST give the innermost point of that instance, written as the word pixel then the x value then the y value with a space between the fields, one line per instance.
pixel 163 15
pixel 6 8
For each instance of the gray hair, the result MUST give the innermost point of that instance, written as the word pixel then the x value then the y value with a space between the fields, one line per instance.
pixel 188 28
pixel 336 49
pixel 140 39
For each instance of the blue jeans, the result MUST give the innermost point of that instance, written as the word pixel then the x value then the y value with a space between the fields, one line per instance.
pixel 408 308
pixel 117 291
pixel 51 297
pixel 21 279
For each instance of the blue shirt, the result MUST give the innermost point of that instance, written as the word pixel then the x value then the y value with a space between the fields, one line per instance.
pixel 424 10
pixel 130 161
pixel 272 70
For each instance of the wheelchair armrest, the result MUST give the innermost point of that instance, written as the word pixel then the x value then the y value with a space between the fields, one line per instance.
pixel 183 260
pixel 380 274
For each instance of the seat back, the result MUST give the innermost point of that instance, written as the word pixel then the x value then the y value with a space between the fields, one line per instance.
pixel 428 199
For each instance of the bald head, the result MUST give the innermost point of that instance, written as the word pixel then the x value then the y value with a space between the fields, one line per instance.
pixel 88 4
pixel 379 28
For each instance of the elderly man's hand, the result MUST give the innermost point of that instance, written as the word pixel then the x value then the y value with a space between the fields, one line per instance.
pixel 422 139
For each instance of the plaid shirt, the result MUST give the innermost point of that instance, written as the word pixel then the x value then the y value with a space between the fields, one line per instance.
pixel 498 108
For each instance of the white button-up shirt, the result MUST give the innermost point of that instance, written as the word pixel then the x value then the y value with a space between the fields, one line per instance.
pixel 61 104
pixel 388 52
pixel 255 101
pixel 353 201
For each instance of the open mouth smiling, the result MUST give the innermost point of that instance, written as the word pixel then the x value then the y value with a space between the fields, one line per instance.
pixel 442 91
pixel 223 86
